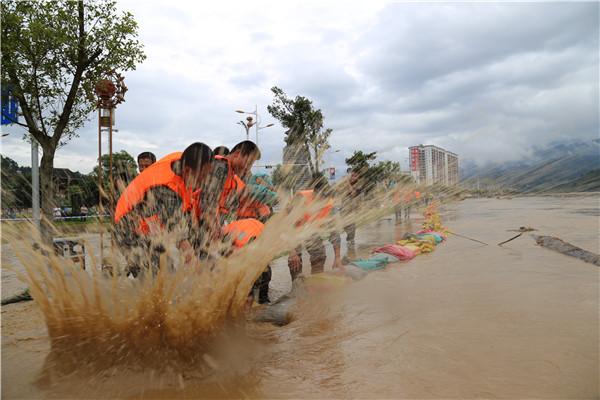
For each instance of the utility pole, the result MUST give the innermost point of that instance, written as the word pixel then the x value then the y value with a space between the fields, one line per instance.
pixel 35 184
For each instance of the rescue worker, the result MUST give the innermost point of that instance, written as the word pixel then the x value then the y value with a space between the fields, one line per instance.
pixel 162 199
pixel 145 160
pixel 221 151
pixel 315 246
pixel 227 181
pixel 351 193
pixel 237 202
pixel 261 198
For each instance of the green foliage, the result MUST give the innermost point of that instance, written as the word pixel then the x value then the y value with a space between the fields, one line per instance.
pixel 277 176
pixel 304 126
pixel 53 52
pixel 384 173
pixel 16 184
pixel 124 166
pixel 360 161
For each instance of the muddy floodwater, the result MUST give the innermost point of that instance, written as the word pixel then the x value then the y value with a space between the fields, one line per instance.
pixel 468 320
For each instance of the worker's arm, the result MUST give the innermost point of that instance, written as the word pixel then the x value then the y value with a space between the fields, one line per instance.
pixel 295 261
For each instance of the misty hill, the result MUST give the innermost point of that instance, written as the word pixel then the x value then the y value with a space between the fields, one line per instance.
pixel 561 166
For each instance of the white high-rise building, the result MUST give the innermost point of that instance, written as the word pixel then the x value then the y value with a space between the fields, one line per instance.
pixel 433 165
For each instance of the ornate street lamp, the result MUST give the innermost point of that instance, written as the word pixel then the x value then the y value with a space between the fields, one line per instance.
pixel 110 92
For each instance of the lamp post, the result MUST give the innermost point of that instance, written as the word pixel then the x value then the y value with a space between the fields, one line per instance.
pixel 247 125
pixel 251 123
pixel 110 92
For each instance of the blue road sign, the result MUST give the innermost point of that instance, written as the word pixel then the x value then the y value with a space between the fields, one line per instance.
pixel 10 106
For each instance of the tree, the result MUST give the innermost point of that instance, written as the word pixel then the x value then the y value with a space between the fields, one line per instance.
pixel 53 52
pixel 304 125
pixel 124 168
pixel 359 161
pixel 278 175
pixel 384 172
pixel 16 184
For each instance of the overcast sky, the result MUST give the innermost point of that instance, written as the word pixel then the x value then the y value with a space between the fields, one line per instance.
pixel 487 81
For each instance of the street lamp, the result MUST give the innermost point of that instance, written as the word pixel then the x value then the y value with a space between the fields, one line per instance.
pixel 251 123
pixel 247 125
pixel 110 92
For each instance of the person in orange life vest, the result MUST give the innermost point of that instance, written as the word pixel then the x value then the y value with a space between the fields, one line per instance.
pixel 221 151
pixel 241 158
pixel 315 245
pixel 236 202
pixel 145 160
pixel 352 192
pixel 161 198
pixel 242 232
pixel 226 182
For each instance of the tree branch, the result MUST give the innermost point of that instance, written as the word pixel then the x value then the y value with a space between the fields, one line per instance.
pixel 31 125
pixel 93 57
pixel 37 98
pixel 81 60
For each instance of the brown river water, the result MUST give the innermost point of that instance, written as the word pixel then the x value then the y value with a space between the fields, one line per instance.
pixel 465 321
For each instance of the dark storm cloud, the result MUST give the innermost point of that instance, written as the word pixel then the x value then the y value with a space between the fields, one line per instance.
pixel 489 81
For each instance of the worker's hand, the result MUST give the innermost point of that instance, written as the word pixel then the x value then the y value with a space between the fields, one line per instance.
pixel 295 263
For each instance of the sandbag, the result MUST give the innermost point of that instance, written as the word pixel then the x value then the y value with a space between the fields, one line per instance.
pixel 424 246
pixel 399 252
pixel 370 264
pixel 429 238
pixel 440 234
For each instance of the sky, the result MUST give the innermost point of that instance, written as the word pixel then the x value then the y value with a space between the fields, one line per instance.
pixel 488 81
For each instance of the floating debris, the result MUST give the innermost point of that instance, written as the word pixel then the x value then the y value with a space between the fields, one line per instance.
pixel 568 249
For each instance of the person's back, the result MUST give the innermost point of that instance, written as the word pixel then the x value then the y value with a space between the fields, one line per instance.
pixel 161 199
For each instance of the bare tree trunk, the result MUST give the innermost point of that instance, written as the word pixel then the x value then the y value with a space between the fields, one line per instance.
pixel 311 166
pixel 47 191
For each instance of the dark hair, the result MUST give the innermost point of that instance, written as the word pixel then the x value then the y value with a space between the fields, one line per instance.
pixel 247 148
pixel 147 154
pixel 221 151
pixel 196 155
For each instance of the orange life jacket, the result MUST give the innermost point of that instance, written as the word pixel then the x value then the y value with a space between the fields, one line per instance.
pixel 254 209
pixel 233 185
pixel 158 174
pixel 243 231
pixel 309 197
pixel 175 156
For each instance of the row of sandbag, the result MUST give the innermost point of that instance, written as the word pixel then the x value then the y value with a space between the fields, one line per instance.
pixel 406 249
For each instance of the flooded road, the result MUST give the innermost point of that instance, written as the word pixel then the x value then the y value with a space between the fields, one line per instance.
pixel 467 320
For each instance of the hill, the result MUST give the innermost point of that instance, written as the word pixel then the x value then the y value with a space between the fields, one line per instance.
pixel 561 166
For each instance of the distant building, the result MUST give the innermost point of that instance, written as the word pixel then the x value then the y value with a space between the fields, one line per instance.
pixel 296 158
pixel 433 165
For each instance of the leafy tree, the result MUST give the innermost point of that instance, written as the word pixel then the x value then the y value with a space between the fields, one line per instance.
pixel 278 175
pixel 53 52
pixel 124 167
pixel 16 184
pixel 384 172
pixel 304 126
pixel 359 161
